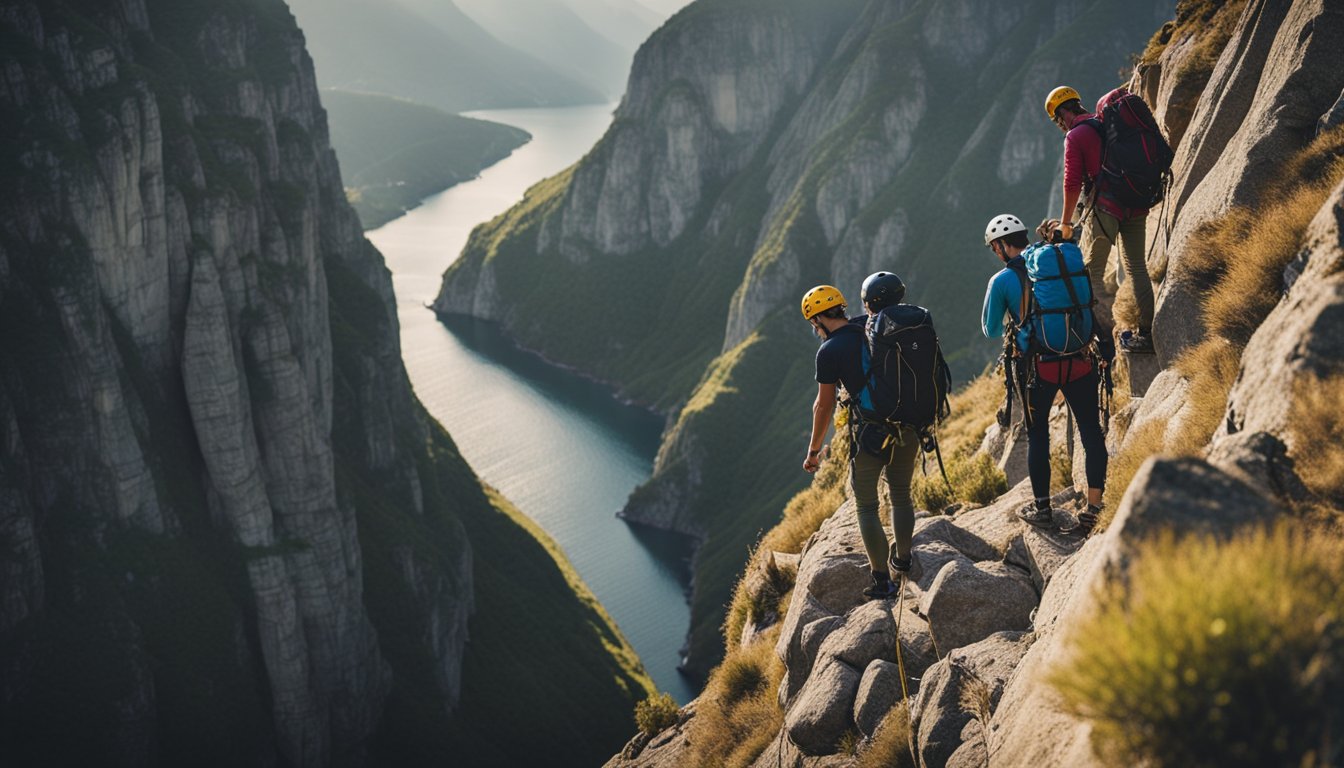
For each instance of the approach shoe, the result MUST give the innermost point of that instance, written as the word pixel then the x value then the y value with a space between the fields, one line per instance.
pixel 1087 520
pixel 882 588
pixel 1136 343
pixel 1033 515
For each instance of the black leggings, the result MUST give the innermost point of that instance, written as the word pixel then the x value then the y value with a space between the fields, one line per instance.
pixel 1081 396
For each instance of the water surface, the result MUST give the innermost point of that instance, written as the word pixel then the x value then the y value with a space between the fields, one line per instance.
pixel 558 446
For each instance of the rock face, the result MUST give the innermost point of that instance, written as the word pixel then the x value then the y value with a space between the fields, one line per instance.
pixel 1276 79
pixel 760 150
pixel 229 528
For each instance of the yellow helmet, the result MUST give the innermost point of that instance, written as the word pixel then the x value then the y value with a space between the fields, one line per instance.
pixel 1058 96
pixel 820 299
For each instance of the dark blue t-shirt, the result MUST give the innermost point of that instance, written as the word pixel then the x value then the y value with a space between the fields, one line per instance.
pixel 840 358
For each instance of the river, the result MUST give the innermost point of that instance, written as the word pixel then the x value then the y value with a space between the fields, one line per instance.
pixel 558 446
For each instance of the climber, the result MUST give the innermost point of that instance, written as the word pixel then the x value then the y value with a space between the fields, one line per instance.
pixel 841 360
pixel 1012 294
pixel 1107 220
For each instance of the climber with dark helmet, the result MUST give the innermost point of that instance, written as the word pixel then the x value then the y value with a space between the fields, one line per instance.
pixel 1108 220
pixel 841 361
pixel 1042 291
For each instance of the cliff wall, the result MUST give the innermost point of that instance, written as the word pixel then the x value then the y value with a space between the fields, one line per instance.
pixel 231 533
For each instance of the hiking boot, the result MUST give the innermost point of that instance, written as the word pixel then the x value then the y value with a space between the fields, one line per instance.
pixel 1041 517
pixel 1137 342
pixel 1087 521
pixel 882 588
pixel 907 567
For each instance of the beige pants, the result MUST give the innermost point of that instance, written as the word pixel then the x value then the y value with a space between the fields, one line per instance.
pixel 1098 239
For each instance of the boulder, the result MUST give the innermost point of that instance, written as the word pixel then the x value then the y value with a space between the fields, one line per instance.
pixel 968 602
pixel 804 611
pixel 1044 552
pixel 879 691
pixel 821 713
pixel 1181 496
pixel 1138 370
pixel 940 720
pixel 994 526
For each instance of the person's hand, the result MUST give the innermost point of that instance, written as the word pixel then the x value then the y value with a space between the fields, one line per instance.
pixel 1065 232
pixel 1047 226
pixel 813 461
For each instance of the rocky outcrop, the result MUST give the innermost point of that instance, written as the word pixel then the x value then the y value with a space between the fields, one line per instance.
pixel 1275 80
pixel 182 436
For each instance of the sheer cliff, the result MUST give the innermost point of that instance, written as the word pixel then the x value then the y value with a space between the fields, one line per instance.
pixel 1148 643
pixel 230 533
pixel 762 149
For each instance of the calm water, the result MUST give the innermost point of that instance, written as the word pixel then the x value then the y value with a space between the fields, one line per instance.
pixel 561 448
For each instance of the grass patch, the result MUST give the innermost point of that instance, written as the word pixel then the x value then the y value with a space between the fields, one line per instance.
pixel 656 713
pixel 1213 21
pixel 890 747
pixel 1318 436
pixel 974 478
pixel 739 714
pixel 1220 653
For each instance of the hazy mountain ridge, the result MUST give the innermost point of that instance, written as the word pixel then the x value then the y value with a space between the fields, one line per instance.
pixel 233 535
pixel 752 159
pixel 433 54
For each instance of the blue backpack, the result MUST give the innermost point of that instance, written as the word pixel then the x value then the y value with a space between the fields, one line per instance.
pixel 1058 321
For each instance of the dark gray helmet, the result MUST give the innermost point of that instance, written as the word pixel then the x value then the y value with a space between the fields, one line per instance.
pixel 882 289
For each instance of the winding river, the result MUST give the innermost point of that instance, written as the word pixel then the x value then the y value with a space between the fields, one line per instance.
pixel 558 446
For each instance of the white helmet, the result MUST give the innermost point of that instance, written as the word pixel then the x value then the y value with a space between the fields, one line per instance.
pixel 1003 224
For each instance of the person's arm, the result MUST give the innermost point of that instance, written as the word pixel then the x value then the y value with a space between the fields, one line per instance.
pixel 1082 160
pixel 822 410
pixel 991 318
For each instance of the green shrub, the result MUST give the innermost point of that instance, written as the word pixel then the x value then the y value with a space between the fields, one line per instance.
pixel 1219 654
pixel 974 477
pixel 656 713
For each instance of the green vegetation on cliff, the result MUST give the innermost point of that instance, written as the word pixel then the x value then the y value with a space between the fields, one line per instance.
pixel 395 153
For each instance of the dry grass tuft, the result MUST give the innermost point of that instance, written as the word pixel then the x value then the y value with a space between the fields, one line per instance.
pixel 1212 369
pixel 973 410
pixel 1219 653
pixel 1318 431
pixel 1213 20
pixel 1140 445
pixel 890 747
pixel 739 714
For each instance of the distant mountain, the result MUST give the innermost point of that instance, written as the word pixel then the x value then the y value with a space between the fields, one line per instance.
pixel 444 59
pixel 627 22
pixel 556 34
pixel 394 153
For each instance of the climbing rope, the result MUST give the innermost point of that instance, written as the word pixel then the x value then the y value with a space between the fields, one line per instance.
pixel 900 666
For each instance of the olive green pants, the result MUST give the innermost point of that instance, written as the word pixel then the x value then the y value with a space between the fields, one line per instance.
pixel 1103 230
pixel 864 473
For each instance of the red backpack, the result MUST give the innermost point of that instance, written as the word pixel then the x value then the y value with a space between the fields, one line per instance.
pixel 1135 157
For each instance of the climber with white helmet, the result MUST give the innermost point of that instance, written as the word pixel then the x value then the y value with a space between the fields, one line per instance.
pixel 1052 345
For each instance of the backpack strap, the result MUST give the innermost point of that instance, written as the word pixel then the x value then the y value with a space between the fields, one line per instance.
pixel 1024 307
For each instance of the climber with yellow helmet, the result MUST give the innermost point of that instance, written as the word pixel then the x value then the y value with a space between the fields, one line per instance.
pixel 841 363
pixel 1108 221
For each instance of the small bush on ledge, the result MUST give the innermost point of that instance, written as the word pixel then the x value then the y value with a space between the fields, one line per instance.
pixel 656 713
pixel 1219 654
